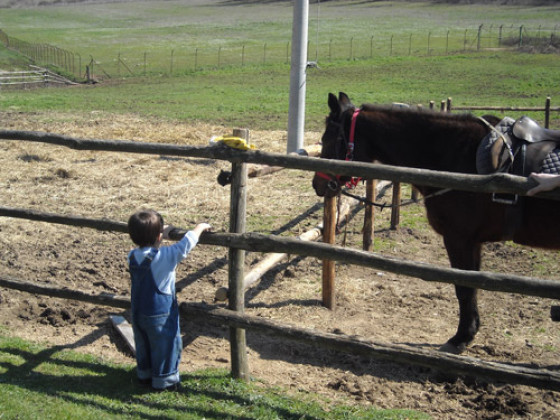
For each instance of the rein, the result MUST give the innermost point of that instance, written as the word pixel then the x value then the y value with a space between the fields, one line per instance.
pixel 384 205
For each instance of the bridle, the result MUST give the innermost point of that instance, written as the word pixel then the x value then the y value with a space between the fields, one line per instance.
pixel 334 180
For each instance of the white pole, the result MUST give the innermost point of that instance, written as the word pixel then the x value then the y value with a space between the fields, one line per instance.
pixel 296 112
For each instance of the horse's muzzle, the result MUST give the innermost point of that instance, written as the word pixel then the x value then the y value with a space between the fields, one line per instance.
pixel 325 185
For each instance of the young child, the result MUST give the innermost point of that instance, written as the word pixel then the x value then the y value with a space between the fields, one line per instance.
pixel 155 314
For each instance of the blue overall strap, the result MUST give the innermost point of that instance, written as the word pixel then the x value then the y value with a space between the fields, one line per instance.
pixel 146 299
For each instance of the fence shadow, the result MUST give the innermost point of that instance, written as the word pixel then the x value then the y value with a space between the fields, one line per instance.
pixel 272 348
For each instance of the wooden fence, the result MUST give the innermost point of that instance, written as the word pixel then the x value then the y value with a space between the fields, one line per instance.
pixel 546 109
pixel 186 58
pixel 237 240
pixel 31 78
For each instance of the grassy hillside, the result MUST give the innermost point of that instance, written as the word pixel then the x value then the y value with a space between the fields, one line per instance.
pixel 175 24
pixel 122 38
pixel 258 97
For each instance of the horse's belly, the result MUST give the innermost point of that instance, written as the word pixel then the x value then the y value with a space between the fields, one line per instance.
pixel 467 216
pixel 475 218
pixel 541 224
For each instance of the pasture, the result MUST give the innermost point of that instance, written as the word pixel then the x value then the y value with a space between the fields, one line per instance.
pixel 370 304
pixel 256 96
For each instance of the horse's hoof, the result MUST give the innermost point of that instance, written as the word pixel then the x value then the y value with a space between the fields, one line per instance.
pixel 452 348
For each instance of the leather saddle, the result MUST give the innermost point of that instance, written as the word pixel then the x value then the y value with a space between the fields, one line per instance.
pixel 518 147
pixel 527 129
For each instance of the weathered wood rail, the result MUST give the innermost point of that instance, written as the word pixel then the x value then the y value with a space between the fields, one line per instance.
pixel 257 242
pixel 478 183
pixel 37 76
pixel 448 363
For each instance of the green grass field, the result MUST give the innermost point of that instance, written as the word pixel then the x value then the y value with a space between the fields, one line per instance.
pixel 256 95
pixel 148 25
pixel 55 383
pixel 257 98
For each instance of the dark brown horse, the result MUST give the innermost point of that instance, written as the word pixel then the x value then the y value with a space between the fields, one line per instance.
pixel 445 142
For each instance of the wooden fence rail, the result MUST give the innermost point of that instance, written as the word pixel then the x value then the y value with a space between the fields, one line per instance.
pixel 547 109
pixel 256 242
pixel 449 363
pixel 504 183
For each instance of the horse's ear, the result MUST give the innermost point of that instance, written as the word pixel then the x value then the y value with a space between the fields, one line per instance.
pixel 344 101
pixel 333 104
pixel 343 98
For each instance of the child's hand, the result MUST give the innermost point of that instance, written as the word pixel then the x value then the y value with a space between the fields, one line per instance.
pixel 200 228
pixel 204 227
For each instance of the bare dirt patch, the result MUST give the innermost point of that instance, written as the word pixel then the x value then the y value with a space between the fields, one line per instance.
pixel 378 306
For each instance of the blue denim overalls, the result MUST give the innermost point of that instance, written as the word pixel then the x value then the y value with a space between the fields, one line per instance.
pixel 155 322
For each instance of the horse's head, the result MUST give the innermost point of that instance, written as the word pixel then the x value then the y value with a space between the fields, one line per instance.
pixel 334 144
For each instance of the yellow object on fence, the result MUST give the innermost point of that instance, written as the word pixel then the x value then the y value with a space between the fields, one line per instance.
pixel 235 142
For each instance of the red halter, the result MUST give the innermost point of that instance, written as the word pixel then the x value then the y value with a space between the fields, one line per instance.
pixel 349 152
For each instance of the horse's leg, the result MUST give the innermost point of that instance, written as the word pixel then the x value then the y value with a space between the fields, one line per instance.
pixel 465 256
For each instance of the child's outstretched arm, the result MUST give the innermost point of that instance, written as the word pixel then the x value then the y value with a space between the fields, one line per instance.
pixel 197 231
pixel 176 252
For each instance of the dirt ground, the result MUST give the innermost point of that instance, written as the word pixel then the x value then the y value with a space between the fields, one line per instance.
pixel 378 306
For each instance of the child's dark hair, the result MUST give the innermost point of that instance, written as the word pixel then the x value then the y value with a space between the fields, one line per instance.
pixel 144 227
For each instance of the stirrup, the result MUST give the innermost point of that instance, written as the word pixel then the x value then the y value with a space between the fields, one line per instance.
pixel 502 198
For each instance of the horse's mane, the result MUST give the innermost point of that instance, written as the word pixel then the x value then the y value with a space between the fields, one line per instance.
pixel 422 114
pixel 423 137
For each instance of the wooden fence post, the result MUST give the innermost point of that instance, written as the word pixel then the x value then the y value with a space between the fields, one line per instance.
pixel 329 231
pixel 369 216
pixel 396 210
pixel 236 261
pixel 547 112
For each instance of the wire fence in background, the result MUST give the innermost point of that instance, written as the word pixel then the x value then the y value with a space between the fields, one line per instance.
pixel 192 59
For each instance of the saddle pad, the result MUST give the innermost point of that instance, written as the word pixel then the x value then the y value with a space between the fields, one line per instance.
pixel 483 156
pixel 551 164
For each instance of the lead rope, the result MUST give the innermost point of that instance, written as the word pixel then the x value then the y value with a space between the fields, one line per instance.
pixel 402 204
